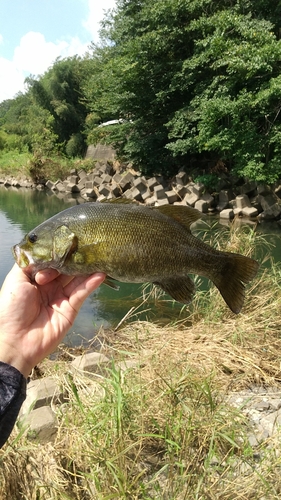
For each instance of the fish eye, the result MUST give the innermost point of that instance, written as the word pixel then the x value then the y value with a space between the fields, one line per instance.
pixel 32 237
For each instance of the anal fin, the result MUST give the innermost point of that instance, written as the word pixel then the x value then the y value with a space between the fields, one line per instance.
pixel 181 288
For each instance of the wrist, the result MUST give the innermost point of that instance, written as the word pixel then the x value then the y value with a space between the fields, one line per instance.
pixel 13 358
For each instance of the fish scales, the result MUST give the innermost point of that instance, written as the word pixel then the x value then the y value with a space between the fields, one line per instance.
pixel 133 243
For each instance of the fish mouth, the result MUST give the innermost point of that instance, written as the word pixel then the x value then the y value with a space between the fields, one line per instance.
pixel 22 257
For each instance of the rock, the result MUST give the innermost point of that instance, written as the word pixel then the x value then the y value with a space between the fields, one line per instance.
pixel 42 424
pixel 271 213
pixel 41 392
pixel 225 196
pixel 271 422
pixel 267 201
pixel 248 187
pixel 92 362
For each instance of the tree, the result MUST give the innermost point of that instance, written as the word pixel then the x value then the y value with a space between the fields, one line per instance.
pixel 192 79
pixel 59 96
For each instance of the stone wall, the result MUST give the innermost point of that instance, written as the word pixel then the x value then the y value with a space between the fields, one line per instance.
pixel 105 182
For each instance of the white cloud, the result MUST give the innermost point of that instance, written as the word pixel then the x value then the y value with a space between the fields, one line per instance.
pixel 12 80
pixel 96 14
pixel 33 56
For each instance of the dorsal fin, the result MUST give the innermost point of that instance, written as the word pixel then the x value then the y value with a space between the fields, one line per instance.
pixel 183 215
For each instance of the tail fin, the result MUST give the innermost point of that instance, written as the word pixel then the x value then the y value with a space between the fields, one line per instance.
pixel 237 271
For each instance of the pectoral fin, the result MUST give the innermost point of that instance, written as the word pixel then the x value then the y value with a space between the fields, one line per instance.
pixel 181 288
pixel 111 283
pixel 64 243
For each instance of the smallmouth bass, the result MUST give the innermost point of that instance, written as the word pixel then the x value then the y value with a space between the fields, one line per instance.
pixel 133 243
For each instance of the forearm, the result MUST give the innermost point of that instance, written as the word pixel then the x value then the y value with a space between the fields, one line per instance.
pixel 12 395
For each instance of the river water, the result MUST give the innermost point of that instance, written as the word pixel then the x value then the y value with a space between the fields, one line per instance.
pixel 23 209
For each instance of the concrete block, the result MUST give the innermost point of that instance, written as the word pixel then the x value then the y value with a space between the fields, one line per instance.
pixel 136 194
pixel 226 195
pixel 42 424
pixel 242 201
pixel 159 192
pixel 172 196
pixel 108 169
pixel 197 189
pixel 89 193
pixel 249 211
pixel 161 202
pixel 227 214
pixel 82 174
pixel 146 195
pixel 72 188
pixel 248 187
pixel 181 190
pixel 115 189
pixel 41 392
pixel 97 181
pixel 60 187
pixel 263 189
pixel 73 179
pixel 126 181
pixel 223 205
pixel 152 183
pixel 140 183
pixel 267 201
pixel 271 213
pixel 106 179
pixel 117 178
pixel 208 198
pixel 181 178
pixel 202 206
pixel 50 184
pixel 190 199
pixel 104 189
pixel 92 362
pixel 151 201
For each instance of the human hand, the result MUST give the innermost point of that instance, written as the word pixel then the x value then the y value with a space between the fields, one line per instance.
pixel 34 317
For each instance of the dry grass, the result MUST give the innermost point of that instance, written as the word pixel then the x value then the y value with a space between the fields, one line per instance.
pixel 164 430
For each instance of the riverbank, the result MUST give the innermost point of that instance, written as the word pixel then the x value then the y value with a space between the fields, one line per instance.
pixel 183 411
pixel 110 180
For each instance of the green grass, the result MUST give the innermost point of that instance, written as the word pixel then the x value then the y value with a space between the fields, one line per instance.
pixel 13 163
pixel 164 429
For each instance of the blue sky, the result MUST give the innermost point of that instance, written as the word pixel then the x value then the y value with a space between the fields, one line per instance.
pixel 33 33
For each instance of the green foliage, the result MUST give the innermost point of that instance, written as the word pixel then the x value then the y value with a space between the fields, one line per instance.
pixel 194 82
pixel 198 81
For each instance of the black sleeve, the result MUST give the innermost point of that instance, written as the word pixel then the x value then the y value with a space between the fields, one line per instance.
pixel 12 395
